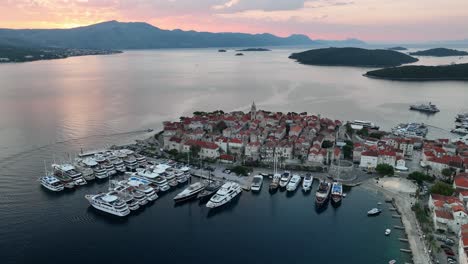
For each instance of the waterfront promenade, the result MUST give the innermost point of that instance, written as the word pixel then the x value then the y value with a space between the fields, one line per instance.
pixel 399 190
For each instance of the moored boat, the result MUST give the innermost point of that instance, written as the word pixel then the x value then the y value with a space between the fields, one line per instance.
pixel 257 182
pixel 275 182
pixel 285 177
pixel 225 194
pixel 51 183
pixel 428 108
pixel 293 183
pixel 108 203
pixel 190 192
pixel 210 189
pixel 374 211
pixel 322 194
pixel 307 182
pixel 336 193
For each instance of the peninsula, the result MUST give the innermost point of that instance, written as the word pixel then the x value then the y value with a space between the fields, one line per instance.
pixel 422 73
pixel 439 52
pixel 352 57
pixel 24 54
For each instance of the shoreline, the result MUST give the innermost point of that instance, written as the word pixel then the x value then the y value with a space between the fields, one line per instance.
pixel 413 79
pixel 403 202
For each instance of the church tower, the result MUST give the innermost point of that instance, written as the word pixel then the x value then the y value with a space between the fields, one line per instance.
pixel 253 112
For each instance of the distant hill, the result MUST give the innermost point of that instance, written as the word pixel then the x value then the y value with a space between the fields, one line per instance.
pixel 137 35
pixel 440 52
pixel 397 48
pixel 352 57
pixel 422 73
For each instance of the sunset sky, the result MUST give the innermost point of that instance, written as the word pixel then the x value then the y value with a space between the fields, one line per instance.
pixel 370 20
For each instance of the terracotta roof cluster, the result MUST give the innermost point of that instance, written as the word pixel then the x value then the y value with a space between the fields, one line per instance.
pixel 461 181
pixel 443 214
pixel 202 144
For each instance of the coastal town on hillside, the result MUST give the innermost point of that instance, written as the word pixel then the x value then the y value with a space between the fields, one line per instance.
pixel 424 180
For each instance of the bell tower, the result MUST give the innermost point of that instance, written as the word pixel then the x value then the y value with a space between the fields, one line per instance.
pixel 253 112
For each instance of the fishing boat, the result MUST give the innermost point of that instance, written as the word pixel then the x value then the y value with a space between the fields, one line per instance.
pixel 257 182
pixel 336 193
pixel 190 192
pixel 322 194
pixel 307 182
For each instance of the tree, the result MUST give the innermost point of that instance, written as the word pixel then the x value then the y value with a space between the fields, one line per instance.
pixel 420 177
pixel 442 188
pixel 348 149
pixel 375 135
pixel 447 172
pixel 173 152
pixel 194 150
pixel 385 170
pixel 363 132
pixel 220 126
pixel 349 129
pixel 240 170
pixel 327 144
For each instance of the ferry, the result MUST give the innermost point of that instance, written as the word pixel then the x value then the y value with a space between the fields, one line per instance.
pixel 108 203
pixel 293 183
pixel 257 182
pixel 322 194
pixel 285 179
pixel 52 183
pixel 336 193
pixel 307 182
pixel 225 194
pixel 427 108
pixel 190 192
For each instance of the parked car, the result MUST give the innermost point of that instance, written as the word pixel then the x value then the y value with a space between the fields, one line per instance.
pixel 449 252
pixel 449 242
pixel 445 247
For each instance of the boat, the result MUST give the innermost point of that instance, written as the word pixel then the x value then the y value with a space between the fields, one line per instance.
pixel 52 183
pixel 210 189
pixel 257 182
pixel 171 178
pixel 336 192
pixel 293 183
pixel 143 187
pixel 322 194
pixel 239 54
pixel 374 211
pixel 275 182
pixel 284 180
pixel 190 192
pixel 461 117
pixel 161 182
pixel 181 176
pixel 130 163
pixel 118 163
pixel 392 261
pixel 427 108
pixel 387 232
pixel 225 194
pixel 460 131
pixel 108 203
pixel 123 193
pixel 307 182
pixel 100 172
pixel 360 124
pixel 67 170
pixel 88 173
pixel 141 160
pixel 139 196
pixel 411 130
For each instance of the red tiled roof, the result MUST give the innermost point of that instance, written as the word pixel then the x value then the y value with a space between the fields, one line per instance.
pixel 175 139
pixel 235 140
pixel 464 193
pixel 226 157
pixel 370 153
pixel 461 181
pixel 202 144
pixel 458 208
pixel 443 214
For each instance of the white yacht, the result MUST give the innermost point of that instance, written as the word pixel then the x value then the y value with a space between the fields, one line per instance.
pixel 171 178
pixel 387 232
pixel 149 191
pixel 226 193
pixel 88 173
pixel 181 177
pixel 141 160
pixel 69 170
pixel 293 183
pixel 108 203
pixel 307 182
pixel 100 172
pixel 190 192
pixel 109 167
pixel 285 177
pixel 124 194
pixel 118 164
pixel 161 182
pixel 130 162
pixel 257 182
pixel 139 196
pixel 52 183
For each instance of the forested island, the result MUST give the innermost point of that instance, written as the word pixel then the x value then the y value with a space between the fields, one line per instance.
pixel 422 73
pixel 254 49
pixel 24 54
pixel 439 52
pixel 352 57
pixel 397 48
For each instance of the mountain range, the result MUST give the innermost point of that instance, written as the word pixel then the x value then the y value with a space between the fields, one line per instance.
pixel 139 35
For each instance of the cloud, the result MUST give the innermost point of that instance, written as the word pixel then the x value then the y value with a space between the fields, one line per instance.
pixel 232 6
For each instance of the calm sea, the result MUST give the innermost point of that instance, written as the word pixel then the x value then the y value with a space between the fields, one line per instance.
pixel 51 109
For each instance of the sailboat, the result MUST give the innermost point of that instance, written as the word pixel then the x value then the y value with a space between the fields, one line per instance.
pixel 276 176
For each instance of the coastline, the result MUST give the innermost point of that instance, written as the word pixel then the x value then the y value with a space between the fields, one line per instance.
pixel 403 202
pixel 414 79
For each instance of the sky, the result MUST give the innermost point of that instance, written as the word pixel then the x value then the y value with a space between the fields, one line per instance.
pixel 369 20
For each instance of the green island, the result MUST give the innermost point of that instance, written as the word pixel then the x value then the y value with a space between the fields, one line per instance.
pixel 254 49
pixel 397 48
pixel 422 73
pixel 439 52
pixel 352 57
pixel 10 53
